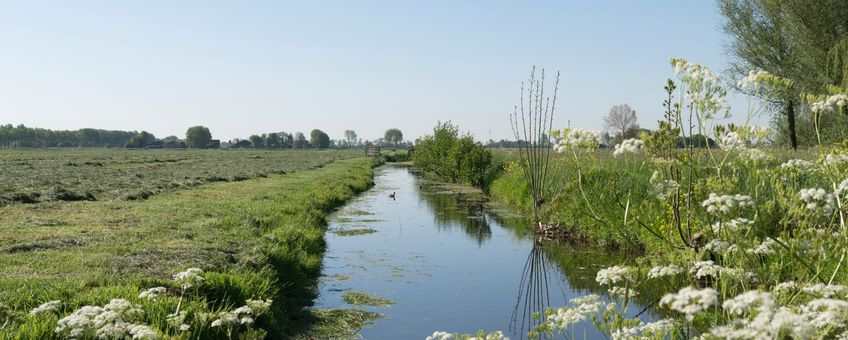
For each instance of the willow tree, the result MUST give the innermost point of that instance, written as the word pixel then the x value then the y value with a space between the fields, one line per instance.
pixel 530 122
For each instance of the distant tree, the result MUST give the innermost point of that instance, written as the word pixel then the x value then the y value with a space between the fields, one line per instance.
pixel 171 139
pixel 620 119
pixel 299 141
pixel 256 141
pixel 198 137
pixel 272 140
pixel 350 136
pixel 141 140
pixel 393 136
pixel 319 139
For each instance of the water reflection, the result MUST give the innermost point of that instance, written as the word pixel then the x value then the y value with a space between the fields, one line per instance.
pixel 534 295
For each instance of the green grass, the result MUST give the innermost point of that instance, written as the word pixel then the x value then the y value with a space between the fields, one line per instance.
pixel 354 232
pixel 338 323
pixel 365 299
pixel 124 174
pixel 258 238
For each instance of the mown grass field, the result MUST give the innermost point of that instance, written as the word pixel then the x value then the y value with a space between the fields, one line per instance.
pixel 259 238
pixel 38 175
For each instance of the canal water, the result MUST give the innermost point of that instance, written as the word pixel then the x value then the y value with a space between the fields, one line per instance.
pixel 449 262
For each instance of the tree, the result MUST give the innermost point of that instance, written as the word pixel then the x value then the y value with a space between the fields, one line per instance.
pixel 171 139
pixel 620 119
pixel 141 140
pixel 299 141
pixel 804 41
pixel 319 139
pixel 393 136
pixel 273 140
pixel 198 137
pixel 257 141
pixel 350 136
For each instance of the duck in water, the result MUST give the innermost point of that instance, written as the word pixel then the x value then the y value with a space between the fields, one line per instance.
pixel 392 195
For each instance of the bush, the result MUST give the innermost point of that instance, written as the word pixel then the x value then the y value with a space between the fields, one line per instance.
pixel 450 156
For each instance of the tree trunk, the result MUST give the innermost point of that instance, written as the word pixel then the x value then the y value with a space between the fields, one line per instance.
pixel 790 115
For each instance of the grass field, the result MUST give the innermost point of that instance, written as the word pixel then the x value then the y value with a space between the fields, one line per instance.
pixel 38 175
pixel 259 238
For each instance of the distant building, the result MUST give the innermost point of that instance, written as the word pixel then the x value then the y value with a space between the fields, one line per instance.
pixel 214 144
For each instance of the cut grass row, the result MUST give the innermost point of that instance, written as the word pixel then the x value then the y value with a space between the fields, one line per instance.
pixel 255 239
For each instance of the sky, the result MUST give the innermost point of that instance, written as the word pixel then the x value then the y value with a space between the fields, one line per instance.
pixel 252 67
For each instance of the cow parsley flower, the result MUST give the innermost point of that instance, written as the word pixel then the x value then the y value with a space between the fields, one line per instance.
pixel 690 301
pixel 189 278
pixel 825 290
pixel 717 246
pixel 705 268
pixel 577 139
pixel 152 293
pixel 731 140
pixel 817 200
pixel 143 332
pixel 661 271
pixel 47 307
pixel 259 307
pixel 724 204
pixel 764 248
pixel 745 302
pixel 613 275
pixel 441 335
pixel 226 320
pixel 832 104
pixel 662 189
pixel 582 309
pixel 826 312
pixel 623 292
pixel 784 287
pixel 631 145
pixel 835 160
pixel 798 165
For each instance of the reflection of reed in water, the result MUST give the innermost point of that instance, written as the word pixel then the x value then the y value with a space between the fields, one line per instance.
pixel 533 291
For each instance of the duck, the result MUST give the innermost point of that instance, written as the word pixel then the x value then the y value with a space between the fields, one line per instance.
pixel 392 195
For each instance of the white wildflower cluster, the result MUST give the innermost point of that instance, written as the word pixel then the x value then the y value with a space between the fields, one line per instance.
pixel 662 189
pixel 703 269
pixel 841 192
pixel 798 165
pixel 764 248
pixel 717 246
pixel 752 154
pixel 614 274
pixel 785 287
pixel 189 278
pixel 152 293
pixel 662 271
pixel 577 139
pixel 831 104
pixel 244 315
pixel 753 82
pixel 690 301
pixel 115 320
pixel 704 88
pixel 47 307
pixel 724 204
pixel 624 293
pixel 583 308
pixel 817 200
pixel 731 140
pixel 734 225
pixel 761 320
pixel 825 290
pixel 835 159
pixel 653 330
pixel 744 303
pixel 631 145
pixel 826 312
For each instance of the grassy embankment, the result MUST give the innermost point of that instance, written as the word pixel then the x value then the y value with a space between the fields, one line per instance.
pixel 255 239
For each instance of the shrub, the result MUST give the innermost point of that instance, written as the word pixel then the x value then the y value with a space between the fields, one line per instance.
pixel 450 156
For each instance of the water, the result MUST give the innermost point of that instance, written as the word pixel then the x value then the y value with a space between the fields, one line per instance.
pixel 448 263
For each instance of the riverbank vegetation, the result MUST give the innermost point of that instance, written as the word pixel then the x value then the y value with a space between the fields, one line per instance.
pixel 743 240
pixel 453 157
pixel 220 260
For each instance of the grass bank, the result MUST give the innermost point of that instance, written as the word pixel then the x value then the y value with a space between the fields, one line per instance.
pixel 254 239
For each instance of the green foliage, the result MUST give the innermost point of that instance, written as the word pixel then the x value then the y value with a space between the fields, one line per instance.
pixel 319 139
pixel 452 157
pixel 22 136
pixel 255 239
pixel 393 136
pixel 141 140
pixel 198 137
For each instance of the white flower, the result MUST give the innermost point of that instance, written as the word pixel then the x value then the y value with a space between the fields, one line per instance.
pixel 717 246
pixel 797 165
pixel 631 145
pixel 826 312
pixel 745 302
pixel 731 140
pixel 831 104
pixel 782 287
pixel 661 271
pixel 835 159
pixel 705 268
pixel 143 332
pixel 817 200
pixel 189 278
pixel 764 248
pixel 724 204
pixel 662 189
pixel 623 293
pixel 259 307
pixel 583 308
pixel 825 290
pixel 184 328
pixel 577 139
pixel 227 320
pixel 690 301
pixel 243 310
pixel 152 293
pixel 440 335
pixel 46 307
pixel 613 275
pixel 659 327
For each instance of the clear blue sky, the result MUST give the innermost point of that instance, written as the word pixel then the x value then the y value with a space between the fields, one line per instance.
pixel 245 67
